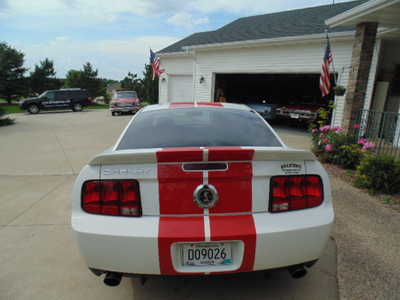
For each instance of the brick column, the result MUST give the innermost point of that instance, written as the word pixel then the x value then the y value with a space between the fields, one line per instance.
pixel 363 50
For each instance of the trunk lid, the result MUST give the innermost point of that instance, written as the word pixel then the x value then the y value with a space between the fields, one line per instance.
pixel 194 181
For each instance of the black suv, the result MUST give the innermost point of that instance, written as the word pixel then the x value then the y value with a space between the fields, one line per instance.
pixel 74 99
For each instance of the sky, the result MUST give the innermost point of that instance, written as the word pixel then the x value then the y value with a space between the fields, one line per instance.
pixel 116 35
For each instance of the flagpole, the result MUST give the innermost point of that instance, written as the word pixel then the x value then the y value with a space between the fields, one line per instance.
pixel 333 117
pixel 333 60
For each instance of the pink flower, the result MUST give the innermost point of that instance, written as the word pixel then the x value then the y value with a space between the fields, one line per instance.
pixel 338 128
pixel 362 141
pixel 329 148
pixel 325 128
pixel 325 141
pixel 369 145
pixel 357 126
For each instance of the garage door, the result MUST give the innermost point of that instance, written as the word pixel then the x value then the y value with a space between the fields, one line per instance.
pixel 180 88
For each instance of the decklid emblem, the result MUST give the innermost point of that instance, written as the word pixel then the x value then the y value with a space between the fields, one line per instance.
pixel 206 196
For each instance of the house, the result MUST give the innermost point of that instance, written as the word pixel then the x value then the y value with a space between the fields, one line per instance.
pixel 277 57
pixel 112 87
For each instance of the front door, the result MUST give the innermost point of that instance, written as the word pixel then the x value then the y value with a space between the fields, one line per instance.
pixel 49 101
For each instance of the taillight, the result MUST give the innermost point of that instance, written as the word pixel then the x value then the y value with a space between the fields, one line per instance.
pixel 112 197
pixel 289 193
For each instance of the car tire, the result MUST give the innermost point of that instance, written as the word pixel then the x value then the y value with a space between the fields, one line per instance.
pixel 114 113
pixel 33 109
pixel 77 107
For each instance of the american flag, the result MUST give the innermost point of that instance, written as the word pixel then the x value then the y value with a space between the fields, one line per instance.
pixel 325 79
pixel 155 64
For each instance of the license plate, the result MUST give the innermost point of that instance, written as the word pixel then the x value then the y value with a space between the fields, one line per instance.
pixel 294 116
pixel 207 254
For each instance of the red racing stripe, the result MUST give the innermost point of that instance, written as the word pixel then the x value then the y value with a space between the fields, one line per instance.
pixel 234 187
pixel 180 155
pixel 181 104
pixel 237 228
pixel 229 154
pixel 173 230
pixel 176 189
pixel 209 104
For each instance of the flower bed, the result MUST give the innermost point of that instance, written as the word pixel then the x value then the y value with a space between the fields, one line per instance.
pixel 377 173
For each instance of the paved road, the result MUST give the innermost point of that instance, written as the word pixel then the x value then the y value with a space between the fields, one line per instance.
pixel 39 159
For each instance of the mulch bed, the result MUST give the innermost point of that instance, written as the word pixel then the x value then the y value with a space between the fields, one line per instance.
pixel 392 201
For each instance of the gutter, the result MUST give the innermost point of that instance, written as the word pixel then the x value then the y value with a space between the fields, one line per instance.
pixel 359 11
pixel 175 54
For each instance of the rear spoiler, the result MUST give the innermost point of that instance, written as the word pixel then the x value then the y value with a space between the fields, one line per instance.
pixel 150 156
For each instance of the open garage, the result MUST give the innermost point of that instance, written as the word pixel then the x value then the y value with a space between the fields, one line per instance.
pixel 294 96
pixel 280 89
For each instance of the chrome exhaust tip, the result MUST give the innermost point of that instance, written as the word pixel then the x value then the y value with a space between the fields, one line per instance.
pixel 112 279
pixel 297 271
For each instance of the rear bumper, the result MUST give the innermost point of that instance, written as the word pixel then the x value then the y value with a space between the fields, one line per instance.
pixel 124 109
pixel 134 246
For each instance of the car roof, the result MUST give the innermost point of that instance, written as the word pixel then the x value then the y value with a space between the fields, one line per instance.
pixel 177 105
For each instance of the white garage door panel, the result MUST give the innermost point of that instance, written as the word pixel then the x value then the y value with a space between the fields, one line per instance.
pixel 180 88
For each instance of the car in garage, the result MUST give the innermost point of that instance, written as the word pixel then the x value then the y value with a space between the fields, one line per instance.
pixel 200 189
pixel 74 98
pixel 305 112
pixel 267 111
pixel 124 102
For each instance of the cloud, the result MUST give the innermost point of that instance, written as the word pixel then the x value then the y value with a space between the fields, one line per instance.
pixel 186 19
pixel 100 11
pixel 3 4
pixel 246 7
pixel 94 10
pixel 113 58
pixel 62 38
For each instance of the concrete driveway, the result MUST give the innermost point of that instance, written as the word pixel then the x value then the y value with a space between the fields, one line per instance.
pixel 40 157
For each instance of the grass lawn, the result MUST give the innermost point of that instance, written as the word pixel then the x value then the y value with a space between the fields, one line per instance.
pixel 11 108
pixel 14 108
pixel 98 106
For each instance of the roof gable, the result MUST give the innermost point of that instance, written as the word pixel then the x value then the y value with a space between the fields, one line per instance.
pixel 282 24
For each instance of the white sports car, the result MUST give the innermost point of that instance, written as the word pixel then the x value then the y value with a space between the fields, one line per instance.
pixel 200 189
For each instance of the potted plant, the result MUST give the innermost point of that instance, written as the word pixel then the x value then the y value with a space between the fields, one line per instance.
pixel 339 90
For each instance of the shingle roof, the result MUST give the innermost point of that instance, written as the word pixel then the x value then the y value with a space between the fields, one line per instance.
pixel 282 24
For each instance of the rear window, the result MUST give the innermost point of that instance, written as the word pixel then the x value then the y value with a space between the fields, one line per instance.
pixel 197 127
pixel 127 94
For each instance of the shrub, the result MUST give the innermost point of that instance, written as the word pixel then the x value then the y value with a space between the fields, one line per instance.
pixel 379 173
pixel 348 156
pixel 144 103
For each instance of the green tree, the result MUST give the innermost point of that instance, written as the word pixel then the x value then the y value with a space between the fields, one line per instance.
pixel 43 77
pixel 85 79
pixel 133 83
pixel 12 81
pixel 149 86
